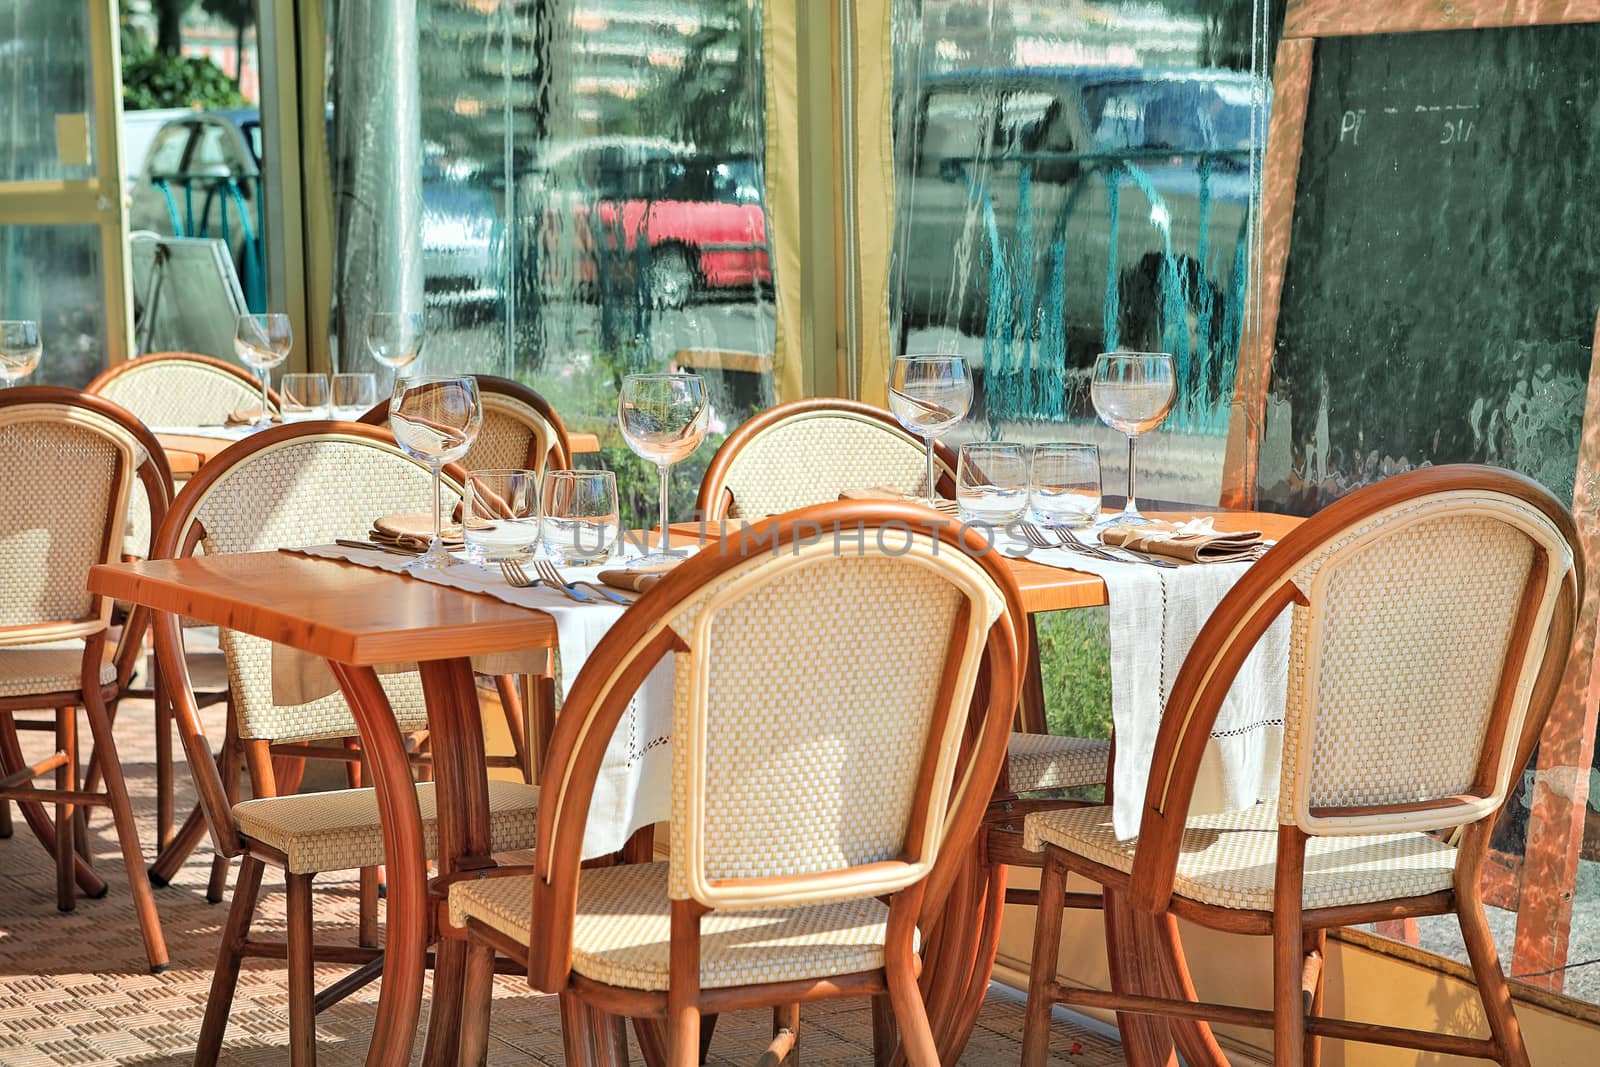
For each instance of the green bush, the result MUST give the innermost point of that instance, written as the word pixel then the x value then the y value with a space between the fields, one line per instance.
pixel 157 80
pixel 1075 659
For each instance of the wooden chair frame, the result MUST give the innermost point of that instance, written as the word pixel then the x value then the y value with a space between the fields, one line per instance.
pixel 67 835
pixel 275 770
pixel 1299 934
pixel 669 1023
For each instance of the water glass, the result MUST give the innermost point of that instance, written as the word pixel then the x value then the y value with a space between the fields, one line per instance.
pixel 435 420
pixel 19 350
pixel 303 396
pixel 501 518
pixel 262 342
pixel 992 483
pixel 581 520
pixel 354 395
pixel 1064 485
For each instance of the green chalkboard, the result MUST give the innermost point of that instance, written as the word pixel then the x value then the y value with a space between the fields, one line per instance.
pixel 1443 273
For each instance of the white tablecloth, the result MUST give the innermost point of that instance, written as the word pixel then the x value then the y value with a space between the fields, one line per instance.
pixel 633 788
pixel 1155 615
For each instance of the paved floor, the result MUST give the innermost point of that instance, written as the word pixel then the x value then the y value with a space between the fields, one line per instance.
pixel 74 988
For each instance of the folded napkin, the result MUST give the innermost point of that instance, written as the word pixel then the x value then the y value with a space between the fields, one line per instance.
pixel 412 530
pixel 1195 541
pixel 248 416
pixel 635 579
pixel 889 492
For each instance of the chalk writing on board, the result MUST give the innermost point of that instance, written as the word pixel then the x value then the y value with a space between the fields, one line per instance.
pixel 1455 123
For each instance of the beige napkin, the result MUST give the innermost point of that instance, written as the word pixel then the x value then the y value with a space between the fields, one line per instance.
pixel 889 492
pixel 635 579
pixel 1195 541
pixel 412 530
pixel 247 417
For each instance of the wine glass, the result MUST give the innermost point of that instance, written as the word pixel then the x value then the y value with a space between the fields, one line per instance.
pixel 394 338
pixel 435 420
pixel 1132 392
pixel 19 349
pixel 663 419
pixel 354 395
pixel 261 343
pixel 929 395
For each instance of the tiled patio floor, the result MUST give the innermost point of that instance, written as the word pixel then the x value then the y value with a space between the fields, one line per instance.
pixel 74 988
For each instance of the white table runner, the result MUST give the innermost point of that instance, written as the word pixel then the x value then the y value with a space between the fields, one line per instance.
pixel 1155 615
pixel 633 788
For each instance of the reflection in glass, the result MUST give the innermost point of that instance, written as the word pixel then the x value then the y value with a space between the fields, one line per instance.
pixel 51 274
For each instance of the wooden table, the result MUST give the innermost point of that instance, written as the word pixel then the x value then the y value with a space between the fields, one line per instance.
pixel 358 618
pixel 187 453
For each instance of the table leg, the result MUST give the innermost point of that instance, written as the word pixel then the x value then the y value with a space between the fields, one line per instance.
pixel 461 784
pixel 1146 1039
pixel 409 918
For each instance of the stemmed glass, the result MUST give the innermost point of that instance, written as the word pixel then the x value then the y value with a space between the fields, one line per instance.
pixel 1132 392
pixel 394 338
pixel 929 395
pixel 261 343
pixel 663 419
pixel 435 420
pixel 19 349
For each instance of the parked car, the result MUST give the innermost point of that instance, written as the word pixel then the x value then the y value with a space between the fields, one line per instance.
pixel 687 221
pixel 1054 140
pixel 202 175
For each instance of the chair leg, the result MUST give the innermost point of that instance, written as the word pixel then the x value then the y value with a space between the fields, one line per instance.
pixel 477 995
pixel 232 760
pixel 165 788
pixel 683 987
pixel 1316 941
pixel 589 1036
pixel 5 820
pixel 916 1034
pixel 226 978
pixel 511 705
pixel 144 901
pixel 786 1029
pixel 66 814
pixel 1042 972
pixel 368 878
pixel 33 812
pixel 1497 1007
pixel 302 973
pixel 885 1035
pixel 1288 951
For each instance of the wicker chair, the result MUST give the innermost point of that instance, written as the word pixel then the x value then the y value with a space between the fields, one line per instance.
pixel 520 429
pixel 806 855
pixel 1432 619
pixel 59 447
pixel 304 483
pixel 810 451
pixel 180 389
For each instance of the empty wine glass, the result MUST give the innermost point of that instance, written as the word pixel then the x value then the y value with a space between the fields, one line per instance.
pixel 261 343
pixel 354 395
pixel 303 396
pixel 394 338
pixel 663 419
pixel 435 420
pixel 19 349
pixel 1132 392
pixel 929 395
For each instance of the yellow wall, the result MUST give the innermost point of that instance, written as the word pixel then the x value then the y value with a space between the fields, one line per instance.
pixel 1363 985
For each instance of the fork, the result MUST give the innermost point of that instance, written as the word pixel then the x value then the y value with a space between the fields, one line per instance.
pixel 1036 537
pixel 550 576
pixel 518 578
pixel 1066 535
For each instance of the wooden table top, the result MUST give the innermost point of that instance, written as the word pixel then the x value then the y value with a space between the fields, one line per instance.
pixel 336 610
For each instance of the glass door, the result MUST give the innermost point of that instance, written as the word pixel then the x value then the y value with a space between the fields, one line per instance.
pixel 62 234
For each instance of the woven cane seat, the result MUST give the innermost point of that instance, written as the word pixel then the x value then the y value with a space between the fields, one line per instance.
pixel 27 670
pixel 1044 761
pixel 339 830
pixel 622 936
pixel 1228 859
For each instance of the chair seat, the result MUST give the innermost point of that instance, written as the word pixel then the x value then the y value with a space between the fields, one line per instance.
pixel 339 830
pixel 622 936
pixel 1044 761
pixel 56 667
pixel 1227 860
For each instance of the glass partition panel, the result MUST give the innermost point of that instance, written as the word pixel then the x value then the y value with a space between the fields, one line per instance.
pixel 1067 184
pixel 47 72
pixel 52 274
pixel 591 203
